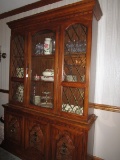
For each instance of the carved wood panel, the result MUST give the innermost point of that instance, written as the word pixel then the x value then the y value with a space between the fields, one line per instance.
pixel 65 147
pixel 36 137
pixel 13 128
pixel 68 144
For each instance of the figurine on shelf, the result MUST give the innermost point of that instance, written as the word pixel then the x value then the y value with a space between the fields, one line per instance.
pixel 36 77
pixel 39 49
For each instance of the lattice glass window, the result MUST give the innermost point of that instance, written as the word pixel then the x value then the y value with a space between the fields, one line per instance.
pixel 76 39
pixel 17 90
pixel 17 49
pixel 73 100
pixel 75 47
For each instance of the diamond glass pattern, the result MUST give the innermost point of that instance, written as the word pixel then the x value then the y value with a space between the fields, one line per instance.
pixel 75 46
pixel 17 68
pixel 17 90
pixel 73 100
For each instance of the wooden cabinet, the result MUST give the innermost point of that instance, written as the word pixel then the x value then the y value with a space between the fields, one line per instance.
pixel 48 111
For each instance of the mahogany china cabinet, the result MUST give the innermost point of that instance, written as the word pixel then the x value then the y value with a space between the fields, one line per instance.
pixel 47 117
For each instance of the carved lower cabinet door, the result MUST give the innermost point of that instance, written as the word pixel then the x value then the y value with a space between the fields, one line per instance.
pixel 68 144
pixel 13 128
pixel 36 139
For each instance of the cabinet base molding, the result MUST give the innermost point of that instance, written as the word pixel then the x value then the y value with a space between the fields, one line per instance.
pixel 90 157
pixel 27 8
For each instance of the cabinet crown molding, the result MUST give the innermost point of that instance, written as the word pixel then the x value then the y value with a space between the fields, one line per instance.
pixel 61 13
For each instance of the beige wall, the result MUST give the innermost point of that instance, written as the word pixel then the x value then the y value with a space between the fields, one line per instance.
pixel 106 89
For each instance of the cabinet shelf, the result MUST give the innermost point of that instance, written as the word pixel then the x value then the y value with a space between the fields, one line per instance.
pixel 41 81
pixel 74 84
pixel 19 57
pixel 44 56
pixel 81 54
pixel 17 79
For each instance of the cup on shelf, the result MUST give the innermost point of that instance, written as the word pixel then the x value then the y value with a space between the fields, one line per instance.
pixel 36 100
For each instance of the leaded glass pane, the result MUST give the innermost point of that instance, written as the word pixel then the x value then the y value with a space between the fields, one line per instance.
pixel 75 46
pixel 17 65
pixel 17 90
pixel 73 100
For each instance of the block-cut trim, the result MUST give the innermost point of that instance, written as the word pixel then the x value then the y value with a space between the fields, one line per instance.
pixel 27 8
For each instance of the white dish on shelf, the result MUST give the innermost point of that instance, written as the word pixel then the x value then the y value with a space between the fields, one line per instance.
pixel 72 109
pixel 48 72
pixel 46 78
pixel 20 72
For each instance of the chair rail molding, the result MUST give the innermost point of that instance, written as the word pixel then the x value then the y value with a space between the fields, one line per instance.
pixel 4 91
pixel 105 107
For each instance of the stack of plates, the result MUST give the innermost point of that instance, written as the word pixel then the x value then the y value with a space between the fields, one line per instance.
pixel 48 75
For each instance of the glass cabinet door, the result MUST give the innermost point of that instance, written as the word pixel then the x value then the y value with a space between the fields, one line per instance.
pixel 17 68
pixel 74 70
pixel 42 69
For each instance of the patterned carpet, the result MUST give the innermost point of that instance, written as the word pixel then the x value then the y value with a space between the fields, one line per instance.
pixel 4 155
pixel 1 132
